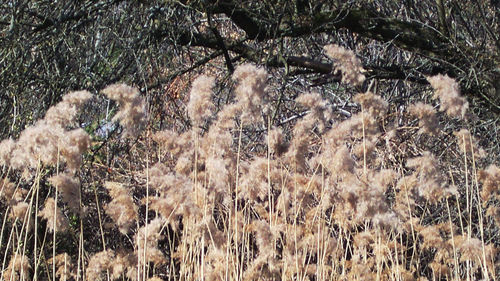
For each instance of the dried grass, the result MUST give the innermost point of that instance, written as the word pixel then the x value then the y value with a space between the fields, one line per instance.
pixel 362 198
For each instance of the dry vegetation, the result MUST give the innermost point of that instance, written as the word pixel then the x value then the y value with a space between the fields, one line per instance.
pixel 376 196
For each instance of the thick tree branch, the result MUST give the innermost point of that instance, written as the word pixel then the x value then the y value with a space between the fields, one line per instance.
pixel 412 36
pixel 242 18
pixel 310 64
pixel 453 59
pixel 443 26
pixel 220 41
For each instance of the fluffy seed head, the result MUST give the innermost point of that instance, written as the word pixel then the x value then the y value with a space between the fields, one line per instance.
pixel 65 111
pixel 121 209
pixel 200 105
pixel 69 188
pixel 250 92
pixel 56 221
pixel 347 62
pixel 448 92
pixel 428 122
pixel 132 113
pixel 18 269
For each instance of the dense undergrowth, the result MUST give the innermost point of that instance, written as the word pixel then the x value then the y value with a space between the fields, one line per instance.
pixel 368 195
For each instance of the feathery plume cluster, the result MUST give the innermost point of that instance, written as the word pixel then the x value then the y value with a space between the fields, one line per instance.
pixel 250 100
pixel 250 92
pixel 263 235
pixel 180 147
pixel 340 163
pixel 347 63
pixel 175 193
pixel 123 265
pixel 22 212
pixel 159 178
pixel 173 143
pixel 14 196
pixel 432 237
pixel 19 211
pixel 18 269
pixel 426 114
pixel 219 139
pixel 265 264
pixel 64 267
pixel 75 143
pixel 69 187
pixel 471 249
pixel 448 92
pixel 276 142
pixel 216 168
pixel 146 241
pixel 254 185
pixel 11 193
pixel 6 147
pixel 490 178
pixel 48 140
pixel 200 105
pixel 430 182
pixel 132 113
pixel 64 112
pixel 320 111
pixel 372 104
pixel 362 125
pixel 40 142
pixel 98 263
pixel 319 114
pixel 121 209
pixel 468 144
pixel 364 200
pixel 56 221
pixel 119 265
